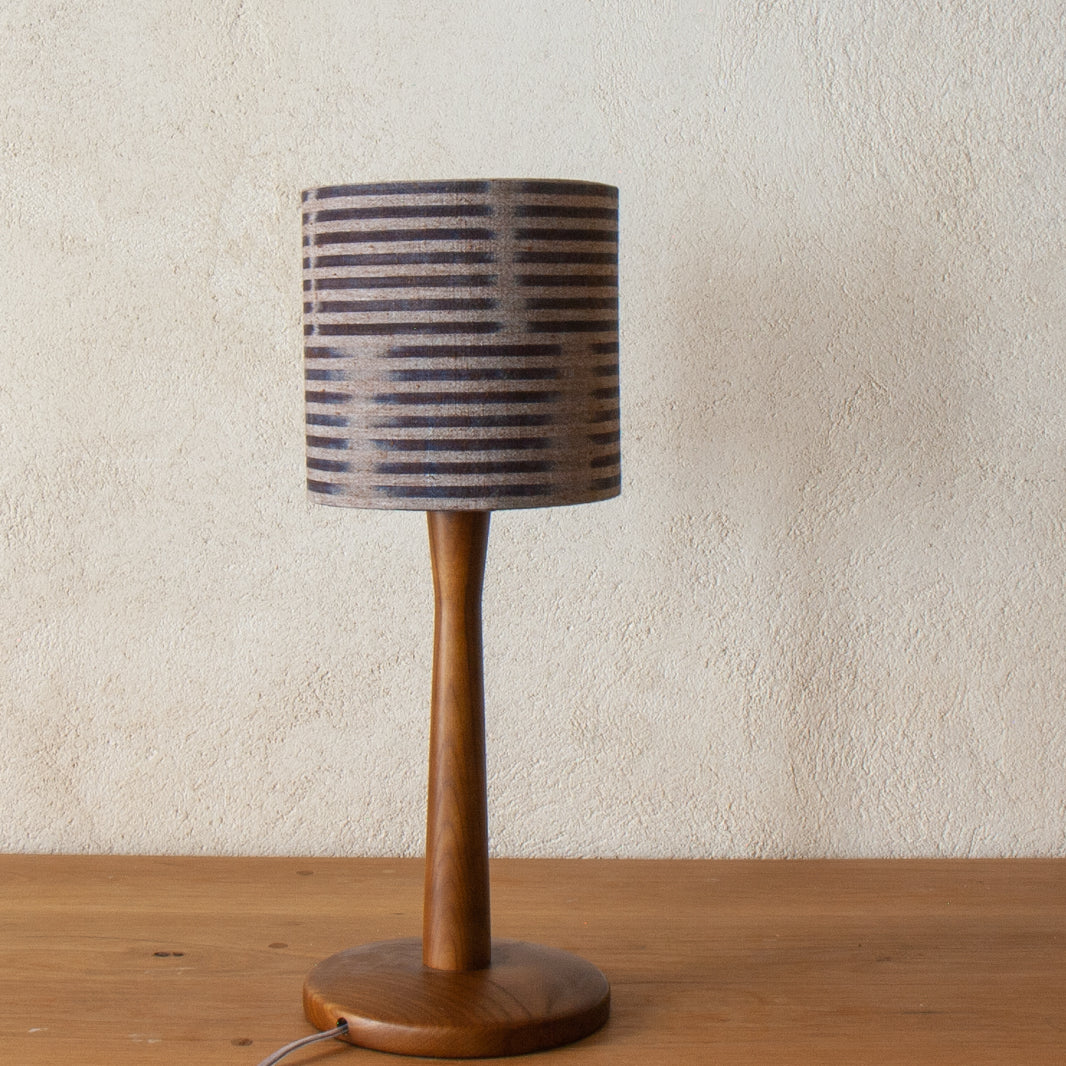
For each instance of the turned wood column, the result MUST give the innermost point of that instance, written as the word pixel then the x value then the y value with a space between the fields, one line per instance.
pixel 455 919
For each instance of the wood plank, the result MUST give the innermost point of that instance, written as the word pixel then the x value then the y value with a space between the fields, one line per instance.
pixel 116 960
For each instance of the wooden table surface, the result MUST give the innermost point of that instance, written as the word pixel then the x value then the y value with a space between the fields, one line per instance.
pixel 116 960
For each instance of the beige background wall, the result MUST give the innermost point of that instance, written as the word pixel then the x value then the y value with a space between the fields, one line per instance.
pixel 825 618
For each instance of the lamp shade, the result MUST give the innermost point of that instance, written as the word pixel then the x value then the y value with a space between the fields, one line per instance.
pixel 461 344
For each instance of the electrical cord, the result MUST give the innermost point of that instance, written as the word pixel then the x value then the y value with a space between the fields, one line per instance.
pixel 329 1034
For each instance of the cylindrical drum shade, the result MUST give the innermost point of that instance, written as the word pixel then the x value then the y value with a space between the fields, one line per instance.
pixel 461 344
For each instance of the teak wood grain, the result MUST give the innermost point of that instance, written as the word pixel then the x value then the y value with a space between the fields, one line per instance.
pixel 115 961
pixel 456 923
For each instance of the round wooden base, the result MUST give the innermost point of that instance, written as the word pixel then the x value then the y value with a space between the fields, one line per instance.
pixel 529 999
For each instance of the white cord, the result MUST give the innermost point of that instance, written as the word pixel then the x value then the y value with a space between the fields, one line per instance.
pixel 329 1034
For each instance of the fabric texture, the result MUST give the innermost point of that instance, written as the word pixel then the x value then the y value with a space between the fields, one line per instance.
pixel 461 344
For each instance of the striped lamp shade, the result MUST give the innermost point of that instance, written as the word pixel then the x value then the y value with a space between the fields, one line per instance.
pixel 461 344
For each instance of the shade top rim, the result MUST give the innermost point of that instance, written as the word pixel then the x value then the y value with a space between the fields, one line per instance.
pixel 436 183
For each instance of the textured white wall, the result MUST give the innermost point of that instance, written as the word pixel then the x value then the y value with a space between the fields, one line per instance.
pixel 826 616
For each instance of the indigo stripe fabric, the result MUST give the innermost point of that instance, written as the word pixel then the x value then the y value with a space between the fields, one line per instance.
pixel 461 344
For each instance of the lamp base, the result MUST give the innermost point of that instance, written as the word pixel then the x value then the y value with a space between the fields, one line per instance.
pixel 529 998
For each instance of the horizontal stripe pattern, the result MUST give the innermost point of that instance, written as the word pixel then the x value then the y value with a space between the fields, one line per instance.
pixel 350 214
pixel 421 258
pixel 563 234
pixel 565 211
pixel 403 281
pixel 505 352
pixel 537 255
pixel 392 329
pixel 344 307
pixel 406 235
pixel 461 344
pixel 399 188
pixel 463 444
pixel 478 420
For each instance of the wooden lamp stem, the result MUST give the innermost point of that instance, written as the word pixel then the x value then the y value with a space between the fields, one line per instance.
pixel 456 932
pixel 456 993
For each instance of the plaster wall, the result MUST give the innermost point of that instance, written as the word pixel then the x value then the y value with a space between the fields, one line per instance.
pixel 824 619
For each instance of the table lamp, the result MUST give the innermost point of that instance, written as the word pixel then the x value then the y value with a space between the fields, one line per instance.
pixel 461 357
